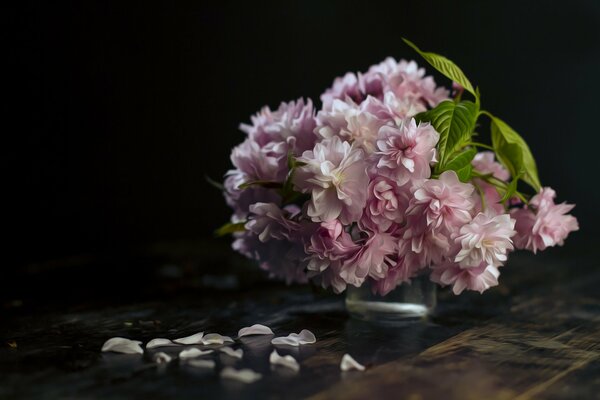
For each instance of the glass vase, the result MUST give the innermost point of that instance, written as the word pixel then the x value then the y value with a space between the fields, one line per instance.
pixel 409 301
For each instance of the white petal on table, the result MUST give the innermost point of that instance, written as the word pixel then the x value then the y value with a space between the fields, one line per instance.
pixel 215 338
pixel 242 375
pixel 160 342
pixel 193 339
pixel 256 329
pixel 348 363
pixel 162 358
pixel 123 345
pixel 286 361
pixel 296 339
pixel 193 353
pixel 199 363
pixel 232 353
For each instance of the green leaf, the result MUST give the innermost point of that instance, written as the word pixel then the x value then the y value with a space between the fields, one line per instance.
pixel 464 174
pixel 511 189
pixel 513 152
pixel 446 67
pixel 454 122
pixel 461 159
pixel 265 184
pixel 230 227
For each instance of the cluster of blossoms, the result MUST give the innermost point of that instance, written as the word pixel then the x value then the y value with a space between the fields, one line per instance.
pixel 346 194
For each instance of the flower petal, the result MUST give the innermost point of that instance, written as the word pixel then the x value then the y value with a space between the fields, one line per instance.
pixel 256 329
pixel 232 353
pixel 286 341
pixel 123 345
pixel 160 342
pixel 242 375
pixel 193 353
pixel 306 337
pixel 286 361
pixel 348 363
pixel 215 338
pixel 162 358
pixel 296 339
pixel 193 339
pixel 199 363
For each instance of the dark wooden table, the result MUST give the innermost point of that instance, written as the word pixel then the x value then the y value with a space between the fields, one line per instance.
pixel 536 336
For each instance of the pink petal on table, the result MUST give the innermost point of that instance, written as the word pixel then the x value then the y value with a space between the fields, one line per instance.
pixel 123 345
pixel 296 339
pixel 160 342
pixel 348 363
pixel 193 339
pixel 193 353
pixel 215 338
pixel 286 361
pixel 256 329
pixel 231 352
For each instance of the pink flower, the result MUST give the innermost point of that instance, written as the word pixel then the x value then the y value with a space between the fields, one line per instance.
pixel 268 163
pixel 445 203
pixel 292 123
pixel 406 80
pixel 335 176
pixel 282 259
pixel 485 163
pixel 486 239
pixel 329 243
pixel 268 221
pixel 354 123
pixel 405 152
pixel 371 260
pixel 386 204
pixel 479 278
pixel 543 224
pixel 241 199
pixel 346 86
pixel 421 246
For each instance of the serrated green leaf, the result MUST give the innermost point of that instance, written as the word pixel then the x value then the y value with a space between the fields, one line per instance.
pixel 513 152
pixel 445 67
pixel 265 184
pixel 454 122
pixel 230 227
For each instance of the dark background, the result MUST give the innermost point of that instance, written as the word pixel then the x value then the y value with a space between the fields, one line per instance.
pixel 117 110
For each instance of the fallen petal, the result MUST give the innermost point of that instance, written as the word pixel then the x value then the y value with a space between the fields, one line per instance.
pixel 215 338
pixel 256 329
pixel 210 364
pixel 193 353
pixel 123 345
pixel 231 352
pixel 162 358
pixel 296 339
pixel 242 375
pixel 349 363
pixel 286 341
pixel 286 361
pixel 160 342
pixel 193 339
pixel 306 337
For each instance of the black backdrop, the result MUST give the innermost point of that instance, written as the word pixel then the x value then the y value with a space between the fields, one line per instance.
pixel 116 111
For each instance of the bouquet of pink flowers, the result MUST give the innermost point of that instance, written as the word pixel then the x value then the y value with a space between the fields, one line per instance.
pixel 387 181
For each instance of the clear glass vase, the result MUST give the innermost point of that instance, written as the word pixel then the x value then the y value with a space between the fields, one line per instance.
pixel 407 302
